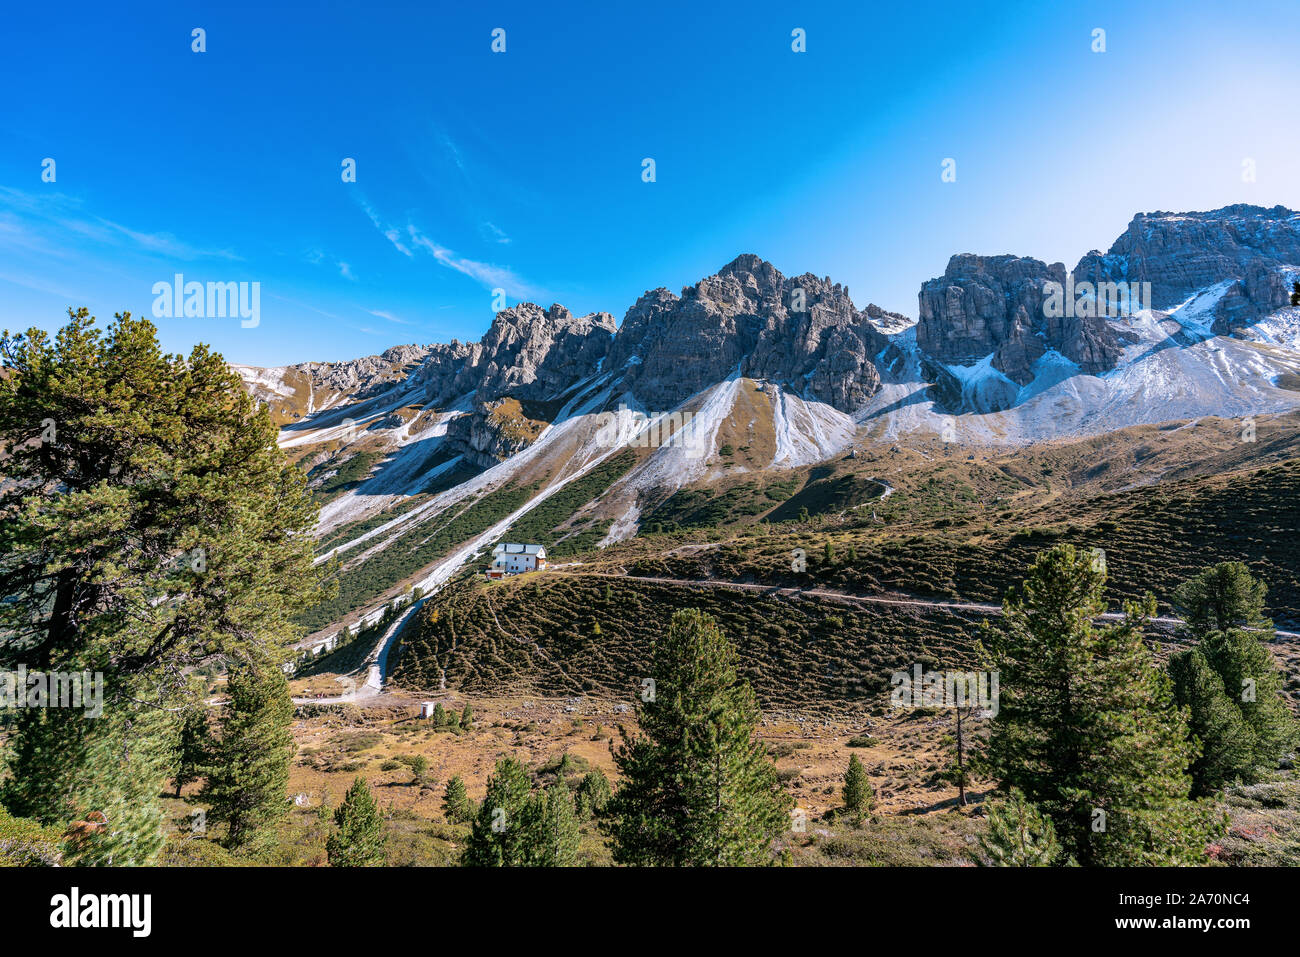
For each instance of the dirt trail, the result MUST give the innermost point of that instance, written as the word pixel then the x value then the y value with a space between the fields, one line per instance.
pixel 791 592
pixel 376 664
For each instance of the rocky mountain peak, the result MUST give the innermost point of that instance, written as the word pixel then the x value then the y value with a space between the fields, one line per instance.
pixel 535 353
pixel 757 277
pixel 1182 253
pixel 803 333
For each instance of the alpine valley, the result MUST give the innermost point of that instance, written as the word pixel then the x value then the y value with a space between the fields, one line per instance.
pixel 859 490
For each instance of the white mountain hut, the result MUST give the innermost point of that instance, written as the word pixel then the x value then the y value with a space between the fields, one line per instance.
pixel 509 558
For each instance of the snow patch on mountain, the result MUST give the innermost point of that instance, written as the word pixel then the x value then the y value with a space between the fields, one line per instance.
pixel 269 380
pixel 1282 328
pixel 807 431
pixel 983 386
pixel 1171 368
pixel 1196 313
pixel 623 527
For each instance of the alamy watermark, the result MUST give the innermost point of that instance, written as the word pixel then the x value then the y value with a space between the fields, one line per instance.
pixel 945 689
pixel 53 689
pixel 1087 300
pixel 213 300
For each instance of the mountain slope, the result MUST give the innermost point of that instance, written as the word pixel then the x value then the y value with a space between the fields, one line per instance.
pixel 424 456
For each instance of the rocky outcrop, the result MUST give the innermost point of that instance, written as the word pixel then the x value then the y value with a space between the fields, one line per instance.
pixel 1265 289
pixel 528 355
pixel 1183 253
pixel 995 305
pixel 362 377
pixel 971 310
pixel 533 353
pixel 998 305
pixel 803 333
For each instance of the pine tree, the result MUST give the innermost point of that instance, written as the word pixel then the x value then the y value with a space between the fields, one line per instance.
pixel 324 814
pixel 1227 743
pixel 439 715
pixel 419 768
pixel 467 717
pixel 829 553
pixel 104 773
pixel 1019 835
pixel 150 524
pixel 1253 681
pixel 857 789
pixel 697 789
pixel 565 767
pixel 1295 294
pixel 248 769
pixel 592 795
pixel 504 832
pixel 360 839
pixel 455 801
pixel 1223 610
pixel 191 746
pixel 1086 726
pixel 1220 598
pixel 557 840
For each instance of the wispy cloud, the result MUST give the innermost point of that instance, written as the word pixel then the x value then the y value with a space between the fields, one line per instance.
pixel 390 317
pixel 391 233
pixel 37 284
pixel 454 151
pixel 490 275
pixel 304 305
pixel 316 256
pixel 39 213
pixel 493 233
pixel 164 244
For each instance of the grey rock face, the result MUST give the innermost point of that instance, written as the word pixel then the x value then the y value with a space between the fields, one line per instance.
pixel 1181 253
pixel 981 302
pixel 529 355
pixel 994 304
pixel 1022 347
pixel 985 305
pixel 441 367
pixel 534 353
pixel 492 434
pixel 1263 290
pixel 803 333
pixel 362 377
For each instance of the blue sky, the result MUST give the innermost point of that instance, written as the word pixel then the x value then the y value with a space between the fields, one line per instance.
pixel 522 170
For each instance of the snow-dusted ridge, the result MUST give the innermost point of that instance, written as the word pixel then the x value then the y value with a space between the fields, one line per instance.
pixel 425 414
